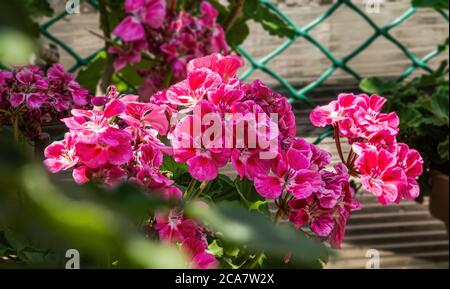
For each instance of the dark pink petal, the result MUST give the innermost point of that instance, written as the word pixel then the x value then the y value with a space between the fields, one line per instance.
pixel 155 13
pixel 113 108
pixel 118 155
pixel 16 99
pixel 205 261
pixel 322 225
pixel 92 155
pixel 193 246
pixel 130 29
pixel 54 165
pixel 268 186
pixel 299 218
pixel 306 183
pixel 35 100
pixel 202 168
pixel 80 175
pixel 132 6
pixel 297 159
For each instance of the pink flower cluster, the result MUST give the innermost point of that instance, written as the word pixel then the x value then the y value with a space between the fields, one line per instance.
pixel 174 38
pixel 216 101
pixel 119 143
pixel 36 97
pixel 173 227
pixel 308 193
pixel 387 169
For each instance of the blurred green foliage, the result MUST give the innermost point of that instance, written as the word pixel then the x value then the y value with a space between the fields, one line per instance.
pixel 42 216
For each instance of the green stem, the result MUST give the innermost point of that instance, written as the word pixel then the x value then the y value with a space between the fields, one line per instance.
pixel 247 203
pixel 108 70
pixel 190 188
pixel 234 14
pixel 15 127
pixel 200 189
pixel 168 79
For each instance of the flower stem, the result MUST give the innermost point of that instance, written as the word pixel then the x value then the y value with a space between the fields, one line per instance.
pixel 15 127
pixel 190 188
pixel 200 189
pixel 234 14
pixel 337 140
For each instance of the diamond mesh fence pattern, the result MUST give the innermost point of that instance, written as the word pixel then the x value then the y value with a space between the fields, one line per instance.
pixel 300 32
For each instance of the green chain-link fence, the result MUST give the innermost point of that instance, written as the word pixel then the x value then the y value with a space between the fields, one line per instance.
pixel 300 32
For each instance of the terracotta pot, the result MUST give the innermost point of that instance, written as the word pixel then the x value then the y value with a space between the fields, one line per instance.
pixel 439 196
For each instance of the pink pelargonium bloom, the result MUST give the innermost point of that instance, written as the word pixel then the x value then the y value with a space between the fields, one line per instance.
pixel 148 12
pixel 209 14
pixel 108 175
pixel 32 100
pixel 57 72
pixel 369 118
pixel 225 66
pixel 411 162
pixel 129 55
pixel 333 112
pixel 273 104
pixel 146 115
pixel 203 155
pixel 151 12
pixel 292 172
pixel 196 248
pixel 98 142
pixel 174 227
pixel 327 210
pixel 188 93
pixel 380 174
pixel 61 155
pixel 130 29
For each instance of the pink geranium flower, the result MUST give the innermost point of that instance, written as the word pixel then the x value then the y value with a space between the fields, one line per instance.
pixel 195 88
pixel 99 143
pixel 61 155
pixel 225 66
pixel 412 164
pixel 380 174
pixel 203 156
pixel 328 210
pixel 292 173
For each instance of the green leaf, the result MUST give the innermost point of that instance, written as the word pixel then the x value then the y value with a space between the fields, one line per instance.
pixel 89 76
pixel 238 33
pixel 410 117
pixel 443 149
pixel 374 85
pixel 269 20
pixel 17 241
pixel 248 190
pixel 215 249
pixel 39 8
pixel 241 227
pixel 439 108
pixel 436 4
pixel 176 169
